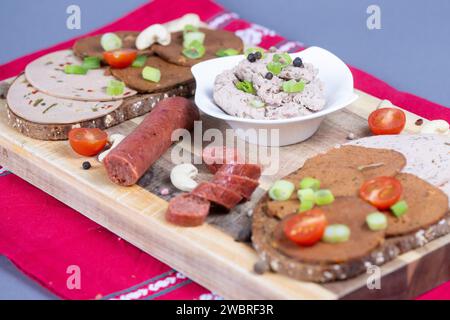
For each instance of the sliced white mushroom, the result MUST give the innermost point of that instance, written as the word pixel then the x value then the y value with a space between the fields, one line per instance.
pixel 182 177
pixel 189 18
pixel 114 139
pixel 436 127
pixel 156 33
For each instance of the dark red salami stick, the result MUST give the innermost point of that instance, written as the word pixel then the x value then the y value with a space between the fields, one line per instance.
pixel 127 162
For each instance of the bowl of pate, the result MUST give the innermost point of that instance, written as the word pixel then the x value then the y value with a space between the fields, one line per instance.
pixel 273 98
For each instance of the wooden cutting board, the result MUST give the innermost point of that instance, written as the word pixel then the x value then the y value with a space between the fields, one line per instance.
pixel 209 254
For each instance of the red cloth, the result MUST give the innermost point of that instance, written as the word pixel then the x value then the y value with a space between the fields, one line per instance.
pixel 44 237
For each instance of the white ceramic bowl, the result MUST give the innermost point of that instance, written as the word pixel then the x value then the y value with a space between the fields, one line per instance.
pixel 339 93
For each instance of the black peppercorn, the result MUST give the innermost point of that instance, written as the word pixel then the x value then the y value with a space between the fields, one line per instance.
pixel 86 165
pixel 298 62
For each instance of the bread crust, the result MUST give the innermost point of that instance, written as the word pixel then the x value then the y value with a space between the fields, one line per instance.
pixel 131 108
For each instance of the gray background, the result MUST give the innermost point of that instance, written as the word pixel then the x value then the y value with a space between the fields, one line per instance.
pixel 411 51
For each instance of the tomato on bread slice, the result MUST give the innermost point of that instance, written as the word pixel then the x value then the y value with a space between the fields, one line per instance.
pixel 307 228
pixel 381 192
pixel 120 59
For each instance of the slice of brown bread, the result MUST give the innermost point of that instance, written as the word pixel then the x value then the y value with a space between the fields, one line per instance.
pixel 172 75
pixel 214 41
pixel 130 108
pixel 90 46
pixel 431 222
pixel 264 225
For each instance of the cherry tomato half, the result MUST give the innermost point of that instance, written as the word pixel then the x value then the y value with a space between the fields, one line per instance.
pixel 87 141
pixel 387 121
pixel 306 228
pixel 120 58
pixel 381 192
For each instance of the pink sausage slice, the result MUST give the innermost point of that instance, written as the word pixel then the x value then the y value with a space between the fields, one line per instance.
pixel 187 210
pixel 139 150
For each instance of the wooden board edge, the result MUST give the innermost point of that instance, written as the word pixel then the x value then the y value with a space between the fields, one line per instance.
pixel 110 216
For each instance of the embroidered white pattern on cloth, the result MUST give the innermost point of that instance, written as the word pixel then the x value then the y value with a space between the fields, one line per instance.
pixel 149 290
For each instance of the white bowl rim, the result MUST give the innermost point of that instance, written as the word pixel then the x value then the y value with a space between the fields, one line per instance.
pixel 352 98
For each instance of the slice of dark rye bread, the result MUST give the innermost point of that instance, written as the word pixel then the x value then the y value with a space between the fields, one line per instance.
pixel 264 225
pixel 264 221
pixel 131 107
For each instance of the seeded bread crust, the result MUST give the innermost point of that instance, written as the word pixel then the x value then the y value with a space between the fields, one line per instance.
pixel 131 108
pixel 264 224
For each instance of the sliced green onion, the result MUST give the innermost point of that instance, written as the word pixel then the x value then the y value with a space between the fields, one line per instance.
pixel 324 197
pixel 306 194
pixel 115 88
pixel 399 208
pixel 110 41
pixel 274 67
pixel 140 61
pixel 306 205
pixel 256 103
pixel 151 74
pixel 245 86
pixel 74 69
pixel 281 190
pixel 376 221
pixel 310 183
pixel 195 50
pixel 253 50
pixel 193 36
pixel 293 86
pixel 91 63
pixel 227 52
pixel 189 28
pixel 283 58
pixel 336 233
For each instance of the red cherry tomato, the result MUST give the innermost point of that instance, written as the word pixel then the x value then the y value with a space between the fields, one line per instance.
pixel 120 58
pixel 87 141
pixel 306 228
pixel 387 121
pixel 381 192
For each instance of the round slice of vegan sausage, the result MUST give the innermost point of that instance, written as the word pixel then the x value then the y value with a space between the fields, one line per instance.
pixel 350 211
pixel 217 194
pixel 249 170
pixel 240 184
pixel 426 206
pixel 370 162
pixel 127 162
pixel 215 157
pixel 187 210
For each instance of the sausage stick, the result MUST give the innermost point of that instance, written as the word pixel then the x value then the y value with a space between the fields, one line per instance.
pixel 139 150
